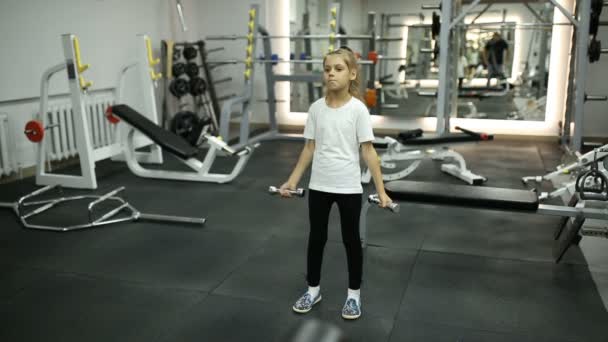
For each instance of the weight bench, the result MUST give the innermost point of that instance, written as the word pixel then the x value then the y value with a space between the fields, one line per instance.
pixel 490 198
pixel 397 150
pixel 474 92
pixel 177 146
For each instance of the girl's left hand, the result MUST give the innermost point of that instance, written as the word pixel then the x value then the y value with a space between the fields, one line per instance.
pixel 385 201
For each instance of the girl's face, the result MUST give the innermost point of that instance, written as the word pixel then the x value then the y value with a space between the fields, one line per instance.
pixel 336 73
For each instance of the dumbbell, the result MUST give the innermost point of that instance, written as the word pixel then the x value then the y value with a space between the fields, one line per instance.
pixel 273 190
pixel 394 207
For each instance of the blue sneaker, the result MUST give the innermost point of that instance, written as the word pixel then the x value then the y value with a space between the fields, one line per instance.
pixel 305 303
pixel 351 309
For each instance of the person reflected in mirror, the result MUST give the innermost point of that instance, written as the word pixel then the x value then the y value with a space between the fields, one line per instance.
pixel 494 57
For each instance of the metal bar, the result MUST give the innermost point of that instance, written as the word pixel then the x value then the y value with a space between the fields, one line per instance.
pixel 35 193
pixel 74 227
pixel 42 208
pixel 533 11
pixel 389 39
pixel 596 98
pixel 404 14
pixel 180 13
pixel 270 85
pixel 112 213
pixel 481 12
pixel 170 218
pixel 294 61
pixel 463 13
pixel 310 37
pixel 101 199
pixel 223 80
pixel 63 199
pixel 294 37
pixel 580 72
pixel 217 49
pixel 431 7
pixel 565 211
pixel 445 81
pixel 391 58
pixel 565 12
pixel 105 197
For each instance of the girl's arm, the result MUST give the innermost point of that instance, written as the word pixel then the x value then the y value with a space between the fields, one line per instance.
pixel 303 163
pixel 370 157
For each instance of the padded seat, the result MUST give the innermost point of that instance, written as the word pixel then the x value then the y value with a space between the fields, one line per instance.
pixel 164 138
pixel 445 139
pixel 463 195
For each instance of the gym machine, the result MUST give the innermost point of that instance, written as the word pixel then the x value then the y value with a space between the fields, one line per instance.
pixel 35 129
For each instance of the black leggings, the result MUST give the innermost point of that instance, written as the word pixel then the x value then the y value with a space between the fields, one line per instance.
pixel 319 206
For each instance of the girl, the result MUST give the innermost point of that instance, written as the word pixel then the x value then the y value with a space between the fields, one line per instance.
pixel 337 125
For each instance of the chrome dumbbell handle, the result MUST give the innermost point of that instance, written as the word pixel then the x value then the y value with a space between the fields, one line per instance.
pixel 394 207
pixel 298 192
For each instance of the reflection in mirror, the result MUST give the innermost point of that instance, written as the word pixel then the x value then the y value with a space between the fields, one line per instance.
pixel 500 62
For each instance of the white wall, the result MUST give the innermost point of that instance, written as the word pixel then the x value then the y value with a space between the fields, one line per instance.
pixel 31 31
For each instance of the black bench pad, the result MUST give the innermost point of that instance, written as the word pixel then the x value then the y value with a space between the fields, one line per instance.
pixel 462 195
pixel 444 139
pixel 164 138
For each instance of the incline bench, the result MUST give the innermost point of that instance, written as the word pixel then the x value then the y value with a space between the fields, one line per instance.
pixel 177 146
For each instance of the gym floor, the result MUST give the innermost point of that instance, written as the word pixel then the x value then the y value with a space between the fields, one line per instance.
pixel 431 273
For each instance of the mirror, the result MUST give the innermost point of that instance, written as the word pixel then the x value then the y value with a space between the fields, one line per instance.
pixel 509 86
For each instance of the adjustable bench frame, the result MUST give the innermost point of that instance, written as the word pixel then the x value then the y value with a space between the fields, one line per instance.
pixel 406 150
pixel 184 152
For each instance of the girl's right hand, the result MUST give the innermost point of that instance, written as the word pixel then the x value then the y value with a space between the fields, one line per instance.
pixel 287 186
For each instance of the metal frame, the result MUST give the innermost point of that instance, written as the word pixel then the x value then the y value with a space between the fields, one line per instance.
pixel 580 71
pixel 78 90
pixel 106 218
pixel 543 209
pixel 396 151
pixel 566 189
pixel 202 169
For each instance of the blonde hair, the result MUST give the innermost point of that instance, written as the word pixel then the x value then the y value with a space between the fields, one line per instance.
pixel 351 63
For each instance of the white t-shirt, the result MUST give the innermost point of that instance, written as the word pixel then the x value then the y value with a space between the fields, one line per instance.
pixel 337 133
